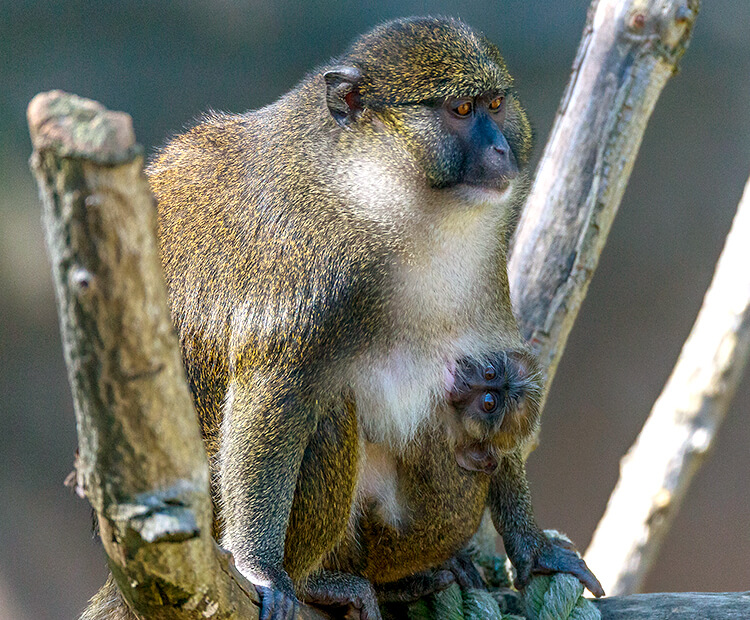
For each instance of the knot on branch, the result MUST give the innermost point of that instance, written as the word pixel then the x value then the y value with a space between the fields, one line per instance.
pixel 164 516
pixel 666 26
pixel 73 126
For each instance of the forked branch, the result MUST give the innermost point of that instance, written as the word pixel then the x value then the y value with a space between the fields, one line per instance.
pixel 141 460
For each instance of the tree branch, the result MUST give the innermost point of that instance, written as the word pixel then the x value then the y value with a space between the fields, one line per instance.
pixel 629 50
pixel 676 606
pixel 658 468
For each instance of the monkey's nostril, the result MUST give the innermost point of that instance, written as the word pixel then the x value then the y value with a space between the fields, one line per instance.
pixel 500 150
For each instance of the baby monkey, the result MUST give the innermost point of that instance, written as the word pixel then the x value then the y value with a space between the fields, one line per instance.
pixel 491 399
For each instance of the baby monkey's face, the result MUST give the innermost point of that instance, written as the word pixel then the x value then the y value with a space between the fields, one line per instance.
pixel 496 404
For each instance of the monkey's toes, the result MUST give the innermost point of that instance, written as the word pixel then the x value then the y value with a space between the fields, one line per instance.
pixel 465 572
pixel 341 590
pixel 558 557
pixel 276 605
pixel 417 586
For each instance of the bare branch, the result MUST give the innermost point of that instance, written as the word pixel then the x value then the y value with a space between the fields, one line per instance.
pixel 629 50
pixel 141 463
pixel 659 467
pixel 676 606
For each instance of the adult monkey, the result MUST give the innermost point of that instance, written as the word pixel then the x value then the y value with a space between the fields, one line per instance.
pixel 336 270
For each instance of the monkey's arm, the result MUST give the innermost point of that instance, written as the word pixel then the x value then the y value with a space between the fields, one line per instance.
pixel 528 548
pixel 265 431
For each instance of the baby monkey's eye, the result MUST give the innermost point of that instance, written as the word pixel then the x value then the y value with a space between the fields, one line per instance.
pixel 497 103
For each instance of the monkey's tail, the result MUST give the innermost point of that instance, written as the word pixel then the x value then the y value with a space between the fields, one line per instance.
pixel 107 604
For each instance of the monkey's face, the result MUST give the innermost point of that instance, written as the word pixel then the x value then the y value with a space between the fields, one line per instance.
pixel 461 146
pixel 496 407
pixel 432 100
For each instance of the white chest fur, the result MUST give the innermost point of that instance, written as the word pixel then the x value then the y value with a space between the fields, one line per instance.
pixel 439 311
pixel 378 484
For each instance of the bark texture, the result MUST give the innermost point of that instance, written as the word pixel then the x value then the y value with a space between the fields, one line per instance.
pixel 141 461
pixel 629 49
pixel 677 606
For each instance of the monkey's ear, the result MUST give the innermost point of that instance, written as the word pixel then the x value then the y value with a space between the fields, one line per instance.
pixel 342 94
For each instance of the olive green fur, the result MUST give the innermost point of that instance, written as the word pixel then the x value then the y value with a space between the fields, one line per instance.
pixel 279 279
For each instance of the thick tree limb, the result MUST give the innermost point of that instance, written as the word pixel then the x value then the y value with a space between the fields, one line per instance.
pixel 141 460
pixel 656 472
pixel 629 50
pixel 676 606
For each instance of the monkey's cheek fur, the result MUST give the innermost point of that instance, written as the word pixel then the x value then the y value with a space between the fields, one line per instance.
pixel 518 427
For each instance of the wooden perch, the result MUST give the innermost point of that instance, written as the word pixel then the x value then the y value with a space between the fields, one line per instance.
pixel 141 460
pixel 677 606
pixel 656 472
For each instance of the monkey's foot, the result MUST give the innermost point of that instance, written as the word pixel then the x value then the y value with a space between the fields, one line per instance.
pixel 353 594
pixel 556 555
pixel 458 569
pixel 274 588
pixel 415 587
pixel 464 570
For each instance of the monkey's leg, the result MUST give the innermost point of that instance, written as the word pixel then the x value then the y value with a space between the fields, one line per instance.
pixel 528 548
pixel 265 431
pixel 320 515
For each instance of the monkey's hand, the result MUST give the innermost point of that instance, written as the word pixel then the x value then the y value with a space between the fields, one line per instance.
pixel 529 549
pixel 551 555
pixel 342 590
pixel 459 569
pixel 275 589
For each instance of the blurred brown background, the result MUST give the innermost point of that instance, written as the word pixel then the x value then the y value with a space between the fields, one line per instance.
pixel 166 62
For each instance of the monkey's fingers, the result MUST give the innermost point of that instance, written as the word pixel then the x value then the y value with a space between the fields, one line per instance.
pixel 276 605
pixel 363 609
pixel 557 557
pixel 417 586
pixel 334 589
pixel 465 571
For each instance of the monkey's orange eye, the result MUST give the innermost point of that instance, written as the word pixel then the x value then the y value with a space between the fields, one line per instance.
pixel 463 109
pixel 496 103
